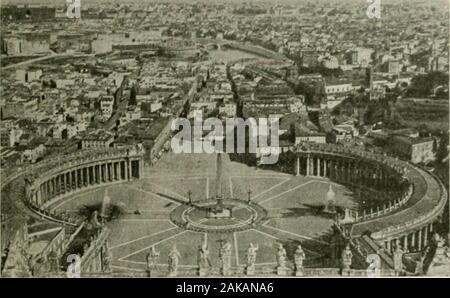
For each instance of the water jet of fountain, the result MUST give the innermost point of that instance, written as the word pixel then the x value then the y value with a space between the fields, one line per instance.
pixel 105 204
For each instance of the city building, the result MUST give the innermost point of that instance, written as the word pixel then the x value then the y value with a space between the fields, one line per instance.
pixel 97 139
pixel 416 150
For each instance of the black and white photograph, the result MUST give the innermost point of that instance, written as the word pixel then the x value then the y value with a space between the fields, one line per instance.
pixel 224 139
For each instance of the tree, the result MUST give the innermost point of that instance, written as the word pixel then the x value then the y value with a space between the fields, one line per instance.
pixel 423 85
pixel 423 130
pixel 305 90
pixel 160 52
pixel 442 151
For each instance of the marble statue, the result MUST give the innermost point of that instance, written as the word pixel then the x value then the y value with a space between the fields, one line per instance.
pixel 31 264
pixel 281 256
pixel 107 261
pixel 347 256
pixel 203 259
pixel 251 258
pixel 152 259
pixel 53 262
pixel 281 260
pixel 440 264
pixel 174 256
pixel 225 257
pixel 299 257
pixel 95 222
pixel 85 247
pixel 398 260
pixel 419 266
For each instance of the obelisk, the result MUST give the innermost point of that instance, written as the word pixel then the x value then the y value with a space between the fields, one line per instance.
pixel 219 205
pixel 218 191
pixel 219 210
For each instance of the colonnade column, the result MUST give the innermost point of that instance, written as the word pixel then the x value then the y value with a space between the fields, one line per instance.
pixel 69 181
pixel 308 165
pixel 107 172
pixel 337 170
pixel 318 167
pixel 419 238
pixel 50 190
pixel 63 183
pixel 104 169
pixel 128 163
pixel 83 179
pixel 57 185
pixel 42 191
pixel 425 236
pixel 52 187
pixel 313 167
pixel 94 175
pixel 41 187
pixel 46 191
pixel 39 197
pixel 330 164
pixel 349 171
pixel 67 184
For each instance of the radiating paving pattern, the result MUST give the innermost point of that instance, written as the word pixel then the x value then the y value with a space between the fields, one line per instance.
pixel 289 203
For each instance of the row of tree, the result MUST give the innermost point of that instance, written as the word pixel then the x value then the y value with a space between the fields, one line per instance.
pixel 428 84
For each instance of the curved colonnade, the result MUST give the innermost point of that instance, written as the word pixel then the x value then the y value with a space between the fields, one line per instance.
pixel 51 181
pixel 406 215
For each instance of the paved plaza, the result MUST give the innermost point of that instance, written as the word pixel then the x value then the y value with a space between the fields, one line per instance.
pixel 291 205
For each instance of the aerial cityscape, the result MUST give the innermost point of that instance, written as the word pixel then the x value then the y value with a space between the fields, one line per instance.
pixel 225 138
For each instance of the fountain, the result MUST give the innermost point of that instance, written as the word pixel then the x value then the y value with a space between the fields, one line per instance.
pixel 330 203
pixel 105 204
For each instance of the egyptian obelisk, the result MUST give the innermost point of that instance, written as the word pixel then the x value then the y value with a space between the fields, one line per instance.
pixel 219 210
pixel 218 191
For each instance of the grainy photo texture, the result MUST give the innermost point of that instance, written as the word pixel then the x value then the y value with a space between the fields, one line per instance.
pixel 201 138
